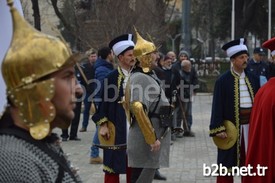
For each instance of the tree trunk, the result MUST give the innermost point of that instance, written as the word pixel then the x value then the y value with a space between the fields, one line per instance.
pixel 61 17
pixel 36 14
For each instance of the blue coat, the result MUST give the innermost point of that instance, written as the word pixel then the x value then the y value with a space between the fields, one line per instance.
pixel 225 106
pixel 102 69
pixel 110 109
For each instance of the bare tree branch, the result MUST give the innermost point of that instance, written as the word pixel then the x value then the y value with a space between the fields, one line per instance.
pixel 36 14
pixel 61 17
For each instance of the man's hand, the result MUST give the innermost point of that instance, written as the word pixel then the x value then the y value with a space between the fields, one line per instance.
pixel 222 135
pixel 104 131
pixel 156 146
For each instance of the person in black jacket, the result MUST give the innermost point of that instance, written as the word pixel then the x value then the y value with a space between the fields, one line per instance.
pixel 189 84
pixel 186 80
pixel 163 70
pixel 87 81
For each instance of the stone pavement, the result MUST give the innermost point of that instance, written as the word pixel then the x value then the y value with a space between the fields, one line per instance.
pixel 187 155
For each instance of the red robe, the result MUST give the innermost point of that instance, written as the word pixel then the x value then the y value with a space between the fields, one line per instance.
pixel 261 138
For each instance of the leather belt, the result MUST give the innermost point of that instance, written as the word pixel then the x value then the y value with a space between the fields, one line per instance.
pixel 244 115
pixel 112 147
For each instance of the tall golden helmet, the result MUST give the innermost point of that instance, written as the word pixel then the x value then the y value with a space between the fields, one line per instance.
pixel 31 57
pixel 142 50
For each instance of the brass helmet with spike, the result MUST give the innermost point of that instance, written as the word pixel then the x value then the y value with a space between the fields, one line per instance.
pixel 142 51
pixel 31 57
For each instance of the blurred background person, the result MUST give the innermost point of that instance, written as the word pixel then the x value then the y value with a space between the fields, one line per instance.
pixel 87 81
pixel 172 55
pixel 257 66
pixel 185 79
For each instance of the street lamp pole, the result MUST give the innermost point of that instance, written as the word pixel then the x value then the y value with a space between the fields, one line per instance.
pixel 173 40
pixel 233 20
pixel 269 23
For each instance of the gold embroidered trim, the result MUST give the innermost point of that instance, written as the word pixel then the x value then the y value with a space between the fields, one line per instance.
pixel 234 74
pixel 102 120
pixel 237 112
pixel 120 78
pixel 217 130
pixel 237 104
pixel 108 169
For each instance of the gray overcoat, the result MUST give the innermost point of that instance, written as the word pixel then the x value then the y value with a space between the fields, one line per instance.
pixel 146 89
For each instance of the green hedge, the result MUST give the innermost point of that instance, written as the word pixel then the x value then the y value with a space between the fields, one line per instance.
pixel 224 66
pixel 207 83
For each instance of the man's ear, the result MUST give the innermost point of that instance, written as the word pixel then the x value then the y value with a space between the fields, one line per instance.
pixel 119 57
